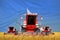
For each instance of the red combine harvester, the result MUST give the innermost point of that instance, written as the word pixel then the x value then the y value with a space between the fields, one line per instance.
pixel 31 23
pixel 11 30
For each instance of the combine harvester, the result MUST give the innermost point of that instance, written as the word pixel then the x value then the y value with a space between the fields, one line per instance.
pixel 31 22
pixel 30 30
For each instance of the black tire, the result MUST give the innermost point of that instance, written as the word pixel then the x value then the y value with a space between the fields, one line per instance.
pixel 23 29
pixel 37 30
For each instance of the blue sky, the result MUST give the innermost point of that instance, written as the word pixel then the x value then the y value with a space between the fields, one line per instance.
pixel 11 10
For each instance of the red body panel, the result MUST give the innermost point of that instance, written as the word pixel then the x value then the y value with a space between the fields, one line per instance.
pixel 11 31
pixel 30 28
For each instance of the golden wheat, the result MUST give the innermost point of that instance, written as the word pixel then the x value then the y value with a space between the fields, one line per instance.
pixel 56 36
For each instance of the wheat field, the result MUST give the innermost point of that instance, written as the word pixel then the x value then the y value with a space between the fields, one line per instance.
pixel 56 36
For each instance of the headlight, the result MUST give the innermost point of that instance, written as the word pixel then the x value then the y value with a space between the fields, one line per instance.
pixel 37 25
pixel 24 25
